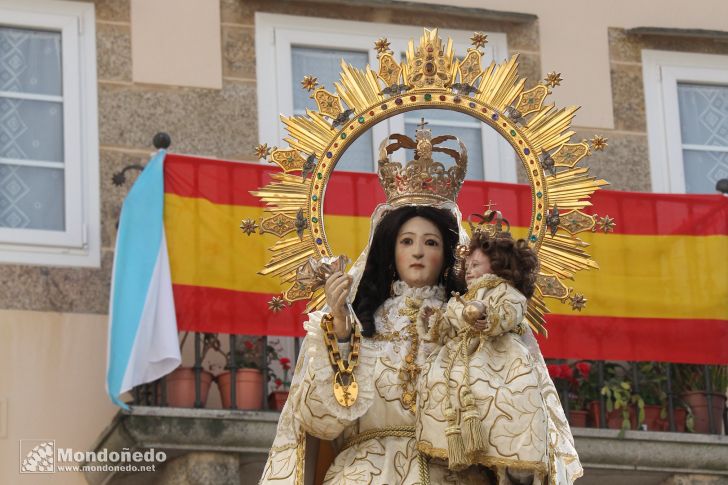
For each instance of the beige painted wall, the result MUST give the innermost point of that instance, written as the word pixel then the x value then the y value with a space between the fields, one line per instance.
pixel 176 42
pixel 52 374
pixel 574 40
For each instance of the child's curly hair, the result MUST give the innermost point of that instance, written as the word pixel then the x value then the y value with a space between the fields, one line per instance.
pixel 513 260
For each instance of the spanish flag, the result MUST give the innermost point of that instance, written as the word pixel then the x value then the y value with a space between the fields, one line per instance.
pixel 661 293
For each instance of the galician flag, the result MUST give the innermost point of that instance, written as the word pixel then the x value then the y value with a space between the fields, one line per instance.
pixel 142 343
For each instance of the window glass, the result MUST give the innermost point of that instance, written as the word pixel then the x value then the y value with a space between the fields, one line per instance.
pixel 704 130
pixel 32 194
pixel 326 64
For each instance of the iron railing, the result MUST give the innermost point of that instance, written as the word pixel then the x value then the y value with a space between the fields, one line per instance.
pixel 659 385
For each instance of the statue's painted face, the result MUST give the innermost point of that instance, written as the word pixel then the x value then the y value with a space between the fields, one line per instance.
pixel 476 265
pixel 419 253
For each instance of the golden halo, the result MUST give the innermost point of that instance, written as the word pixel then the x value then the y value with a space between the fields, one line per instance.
pixel 431 77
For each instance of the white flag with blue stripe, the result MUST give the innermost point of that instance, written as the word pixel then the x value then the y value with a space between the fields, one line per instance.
pixel 142 344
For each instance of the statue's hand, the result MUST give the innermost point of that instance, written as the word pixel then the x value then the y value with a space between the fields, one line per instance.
pixel 483 325
pixel 337 289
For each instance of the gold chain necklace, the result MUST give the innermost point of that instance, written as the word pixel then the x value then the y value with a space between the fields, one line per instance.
pixel 346 389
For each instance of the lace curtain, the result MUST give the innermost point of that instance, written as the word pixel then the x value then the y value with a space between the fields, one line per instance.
pixel 704 127
pixel 31 130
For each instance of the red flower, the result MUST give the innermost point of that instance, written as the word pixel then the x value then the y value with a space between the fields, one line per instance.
pixel 278 382
pixel 566 372
pixel 285 363
pixel 584 369
pixel 249 345
pixel 554 371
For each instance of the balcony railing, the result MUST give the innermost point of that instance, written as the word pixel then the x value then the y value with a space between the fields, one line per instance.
pixel 598 394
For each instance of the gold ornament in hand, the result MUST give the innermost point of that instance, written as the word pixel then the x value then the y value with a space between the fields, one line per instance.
pixel 473 311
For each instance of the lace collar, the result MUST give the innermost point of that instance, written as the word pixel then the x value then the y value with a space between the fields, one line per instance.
pixel 485 277
pixel 400 288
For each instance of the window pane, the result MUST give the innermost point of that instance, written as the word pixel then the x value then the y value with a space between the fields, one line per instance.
pixel 703 169
pixel 31 198
pixel 326 64
pixel 703 114
pixel 31 130
pixel 30 61
pixel 467 129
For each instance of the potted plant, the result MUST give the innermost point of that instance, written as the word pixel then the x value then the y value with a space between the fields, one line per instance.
pixel 624 409
pixel 653 385
pixel 690 381
pixel 246 357
pixel 180 382
pixel 574 380
pixel 277 398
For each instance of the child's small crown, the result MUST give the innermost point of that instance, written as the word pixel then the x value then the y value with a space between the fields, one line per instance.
pixel 490 223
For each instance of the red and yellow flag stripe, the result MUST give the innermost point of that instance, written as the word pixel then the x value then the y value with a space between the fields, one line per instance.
pixel 661 292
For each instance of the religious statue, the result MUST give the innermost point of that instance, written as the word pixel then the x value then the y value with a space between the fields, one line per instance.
pixel 368 377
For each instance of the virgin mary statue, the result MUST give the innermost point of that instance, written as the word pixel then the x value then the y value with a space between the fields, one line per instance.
pixel 356 379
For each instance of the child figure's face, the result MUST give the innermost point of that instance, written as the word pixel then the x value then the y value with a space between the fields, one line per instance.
pixel 476 265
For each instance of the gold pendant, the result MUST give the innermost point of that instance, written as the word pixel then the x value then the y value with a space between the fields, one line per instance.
pixel 345 394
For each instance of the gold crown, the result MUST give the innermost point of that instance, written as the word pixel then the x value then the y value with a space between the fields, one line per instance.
pixel 491 223
pixel 422 180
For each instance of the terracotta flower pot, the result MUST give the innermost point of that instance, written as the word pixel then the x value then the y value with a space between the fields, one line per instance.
pixel 577 419
pixel 653 422
pixel 614 418
pixel 679 415
pixel 248 389
pixel 277 399
pixel 181 387
pixel 698 403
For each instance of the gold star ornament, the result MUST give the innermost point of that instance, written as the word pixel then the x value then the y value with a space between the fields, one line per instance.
pixel 262 151
pixel 276 304
pixel 578 302
pixel 382 45
pixel 606 224
pixel 553 79
pixel 598 142
pixel 309 83
pixel 248 226
pixel 479 40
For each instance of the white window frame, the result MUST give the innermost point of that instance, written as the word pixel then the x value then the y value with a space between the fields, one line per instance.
pixel 275 34
pixel 80 243
pixel 662 71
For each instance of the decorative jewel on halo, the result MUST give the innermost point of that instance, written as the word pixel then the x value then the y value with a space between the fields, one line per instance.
pixel 578 301
pixel 308 167
pixel 553 79
pixel 382 45
pixel 464 89
pixel 276 304
pixel 262 151
pixel 309 83
pixel 513 114
pixel 606 224
pixel 598 142
pixel 479 40
pixel 301 224
pixel 343 118
pixel 548 163
pixel 249 226
pixel 553 220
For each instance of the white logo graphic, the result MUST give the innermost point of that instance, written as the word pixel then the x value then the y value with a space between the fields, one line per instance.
pixel 40 459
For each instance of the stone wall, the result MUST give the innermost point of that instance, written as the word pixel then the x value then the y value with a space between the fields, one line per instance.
pixel 223 123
